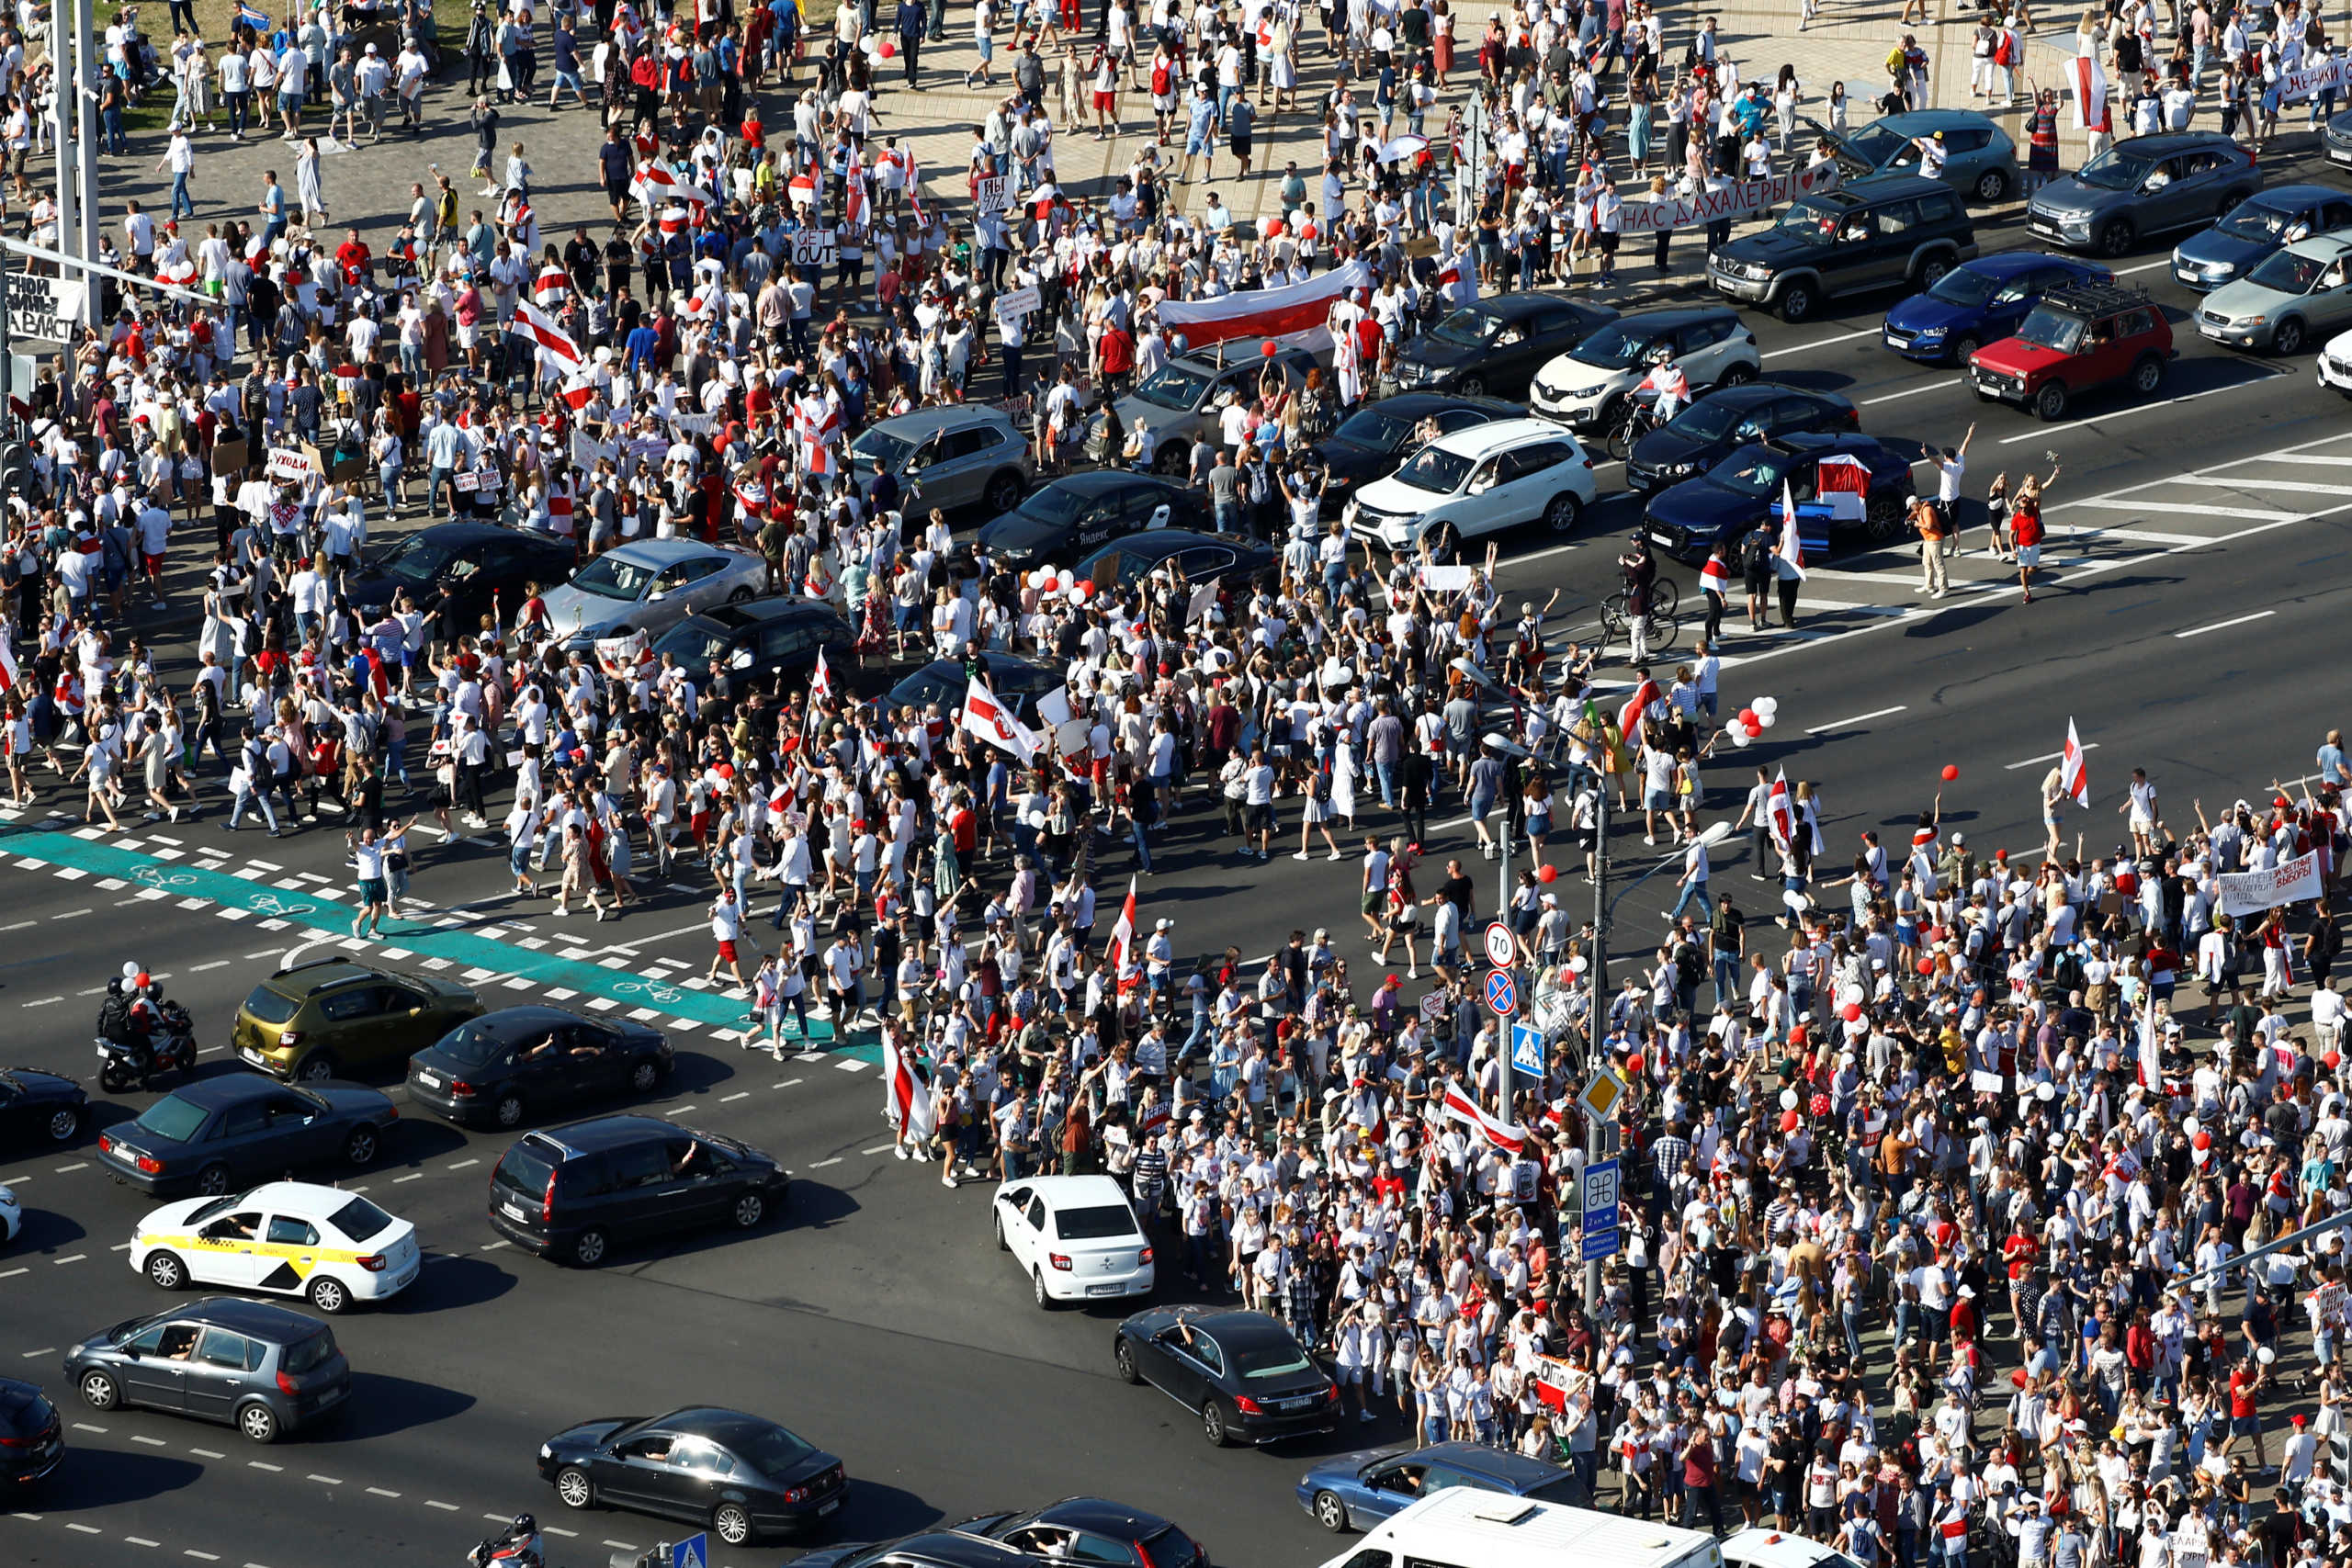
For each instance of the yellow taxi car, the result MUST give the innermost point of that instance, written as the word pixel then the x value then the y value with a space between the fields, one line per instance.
pixel 336 1016
pixel 291 1238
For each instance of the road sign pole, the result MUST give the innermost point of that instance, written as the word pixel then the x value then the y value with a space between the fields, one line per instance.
pixel 1596 970
pixel 87 66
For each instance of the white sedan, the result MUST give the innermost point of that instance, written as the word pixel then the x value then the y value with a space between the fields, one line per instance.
pixel 1474 481
pixel 290 1239
pixel 1074 1236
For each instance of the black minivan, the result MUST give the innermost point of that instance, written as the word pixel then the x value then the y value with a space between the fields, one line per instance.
pixel 1886 232
pixel 572 1192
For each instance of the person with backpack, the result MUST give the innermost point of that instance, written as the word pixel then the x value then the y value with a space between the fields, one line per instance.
pixel 1756 569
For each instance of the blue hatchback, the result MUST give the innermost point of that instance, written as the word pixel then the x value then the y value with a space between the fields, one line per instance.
pixel 1979 302
pixel 1358 1490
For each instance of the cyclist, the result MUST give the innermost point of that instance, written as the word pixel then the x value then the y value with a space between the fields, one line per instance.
pixel 1639 569
pixel 1672 385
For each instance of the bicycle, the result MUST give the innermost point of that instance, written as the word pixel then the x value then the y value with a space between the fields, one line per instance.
pixel 652 991
pixel 156 876
pixel 270 903
pixel 1660 631
pixel 1637 417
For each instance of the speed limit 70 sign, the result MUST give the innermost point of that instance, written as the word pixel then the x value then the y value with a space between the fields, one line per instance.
pixel 1502 948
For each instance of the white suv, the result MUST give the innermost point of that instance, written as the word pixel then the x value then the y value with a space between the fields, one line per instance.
pixel 1585 388
pixel 1475 481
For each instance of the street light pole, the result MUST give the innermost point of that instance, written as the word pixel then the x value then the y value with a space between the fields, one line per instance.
pixel 1596 969
pixel 85 124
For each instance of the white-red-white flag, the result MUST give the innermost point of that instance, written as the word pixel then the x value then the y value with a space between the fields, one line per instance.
pixel 1779 810
pixel 908 1107
pixel 1791 549
pixel 2072 776
pixel 1120 952
pixel 532 322
pixel 2152 1075
pixel 988 719
pixel 7 664
pixel 2089 80
pixel 1629 715
pixel 1498 1130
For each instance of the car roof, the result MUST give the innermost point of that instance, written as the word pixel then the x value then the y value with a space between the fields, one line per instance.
pixel 1749 392
pixel 1063 1190
pixel 714 1421
pixel 1912 123
pixel 1886 187
pixel 2003 263
pixel 227 1089
pixel 1671 316
pixel 1100 1513
pixel 2166 142
pixel 265 1320
pixel 662 552
pixel 599 1132
pixel 1493 1465
pixel 2321 247
pixel 1208 361
pixel 1412 405
pixel 509 1023
pixel 1510 305
pixel 1171 539
pixel 2292 196
pixel 1757 1546
pixel 466 532
pixel 1498 435
pixel 1095 481
pixel 918 423
pixel 759 612
pixel 309 979
pixel 306 1198
pixel 1231 1322
pixel 962 1550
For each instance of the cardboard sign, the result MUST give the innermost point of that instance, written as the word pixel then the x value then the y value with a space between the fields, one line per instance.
pixel 291 465
pixel 990 195
pixel 1015 303
pixel 815 247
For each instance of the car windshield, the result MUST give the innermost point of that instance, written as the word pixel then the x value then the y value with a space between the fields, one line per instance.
pixel 472 1044
pixel 2059 330
pixel 266 1006
pixel 2254 221
pixel 1172 1548
pixel 308 1355
pixel 1614 347
pixel 1467 328
pixel 2113 170
pixel 1269 1358
pixel 172 1117
pixel 1877 143
pixel 614 576
pixel 1962 285
pixel 2288 273
pixel 1379 431
pixel 1809 224
pixel 1710 420
pixel 1056 506
pixel 1096 1223
pixel 773 1451
pixel 218 1206
pixel 1173 386
pixel 878 443
pixel 1753 472
pixel 1435 470
pixel 419 558
pixel 360 1219
pixel 693 647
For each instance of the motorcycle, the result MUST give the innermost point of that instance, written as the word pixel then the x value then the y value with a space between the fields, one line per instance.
pixel 505 1551
pixel 172 1047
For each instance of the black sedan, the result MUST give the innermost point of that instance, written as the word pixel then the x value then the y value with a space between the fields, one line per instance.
pixel 1196 557
pixel 1089 1530
pixel 39 1107
pixel 1075 513
pixel 741 1475
pixel 1020 682
pixel 1241 1370
pixel 452 569
pixel 217 1133
pixel 32 1439
pixel 1371 442
pixel 491 1070
pixel 759 640
pixel 1727 419
pixel 1498 344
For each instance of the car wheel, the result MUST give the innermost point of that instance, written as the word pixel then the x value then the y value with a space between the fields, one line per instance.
pixel 329 1295
pixel 362 1147
pixel 1932 270
pixel 1124 1360
pixel 165 1271
pixel 1443 541
pixel 1796 302
pixel 1002 1245
pixel 1964 350
pixel 2286 339
pixel 588 1247
pixel 1213 1426
pixel 509 1111
pixel 1037 1290
pixel 212 1180
pixel 1884 517
pixel 1003 493
pixel 1330 1513
pixel 1561 515
pixel 316 1067
pixel 750 1210
pixel 1473 386
pixel 1992 185
pixel 258 1423
pixel 2050 402
pixel 572 1488
pixel 644 1075
pixel 2115 236
pixel 1739 375
pixel 99 1392
pixel 63 1123
pixel 2149 374
pixel 731 1523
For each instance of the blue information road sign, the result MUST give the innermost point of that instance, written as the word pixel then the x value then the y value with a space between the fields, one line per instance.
pixel 1527 1049
pixel 1502 993
pixel 1598 1191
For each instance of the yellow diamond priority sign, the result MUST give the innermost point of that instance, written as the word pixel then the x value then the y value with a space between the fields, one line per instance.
pixel 1601 1095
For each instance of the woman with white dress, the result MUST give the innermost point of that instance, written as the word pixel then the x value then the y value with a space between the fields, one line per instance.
pixel 306 180
pixel 1346 773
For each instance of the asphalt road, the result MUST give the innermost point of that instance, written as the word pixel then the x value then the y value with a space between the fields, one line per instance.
pixel 2198 541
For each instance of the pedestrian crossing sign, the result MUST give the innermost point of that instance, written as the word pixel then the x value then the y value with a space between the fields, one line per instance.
pixel 1601 1095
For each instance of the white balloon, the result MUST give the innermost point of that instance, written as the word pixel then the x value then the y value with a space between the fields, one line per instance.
pixel 1765 718
pixel 2189 1124
pixel 2045 1092
pixel 1764 705
pixel 1795 900
pixel 2266 1355
pixel 1575 965
pixel 1740 737
pixel 1788 1099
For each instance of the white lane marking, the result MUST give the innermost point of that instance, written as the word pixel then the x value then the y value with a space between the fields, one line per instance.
pixel 200 968
pixel 622 1545
pixel 1913 393
pixel 2188 509
pixel 2220 626
pixel 200 1556
pixel 61 1262
pixel 879 1148
pixel 149 1442
pixel 823 1163
pixel 411 1175
pixel 379 1491
pixel 257 1465
pixel 207 1453
pixel 85 1427
pixel 1822 342
pixel 445 1507
pixel 730 1100
pixel 77 1165
pixel 849 1065
pixel 325 1480
pixel 2135 536
pixel 2293 487
pixel 788 1083
pixel 2048 757
pixel 2048 430
pixel 141 1540
pixel 2143 267
pixel 461 1164
pixel 84 1530
pixel 14 1272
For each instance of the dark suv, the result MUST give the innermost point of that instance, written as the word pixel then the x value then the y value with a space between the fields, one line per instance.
pixel 1888 231
pixel 2078 338
pixel 2145 185
pixel 572 1192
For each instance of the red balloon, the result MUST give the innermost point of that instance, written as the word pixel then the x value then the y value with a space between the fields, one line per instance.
pixel 1755 727
pixel 1748 718
pixel 1851 1012
pixel 143 981
pixel 1796 1034
pixel 1927 966
pixel 1634 1063
pixel 1951 772
pixel 1547 873
pixel 1790 1121
pixel 1818 1105
pixel 1269 348
pixel 2204 1140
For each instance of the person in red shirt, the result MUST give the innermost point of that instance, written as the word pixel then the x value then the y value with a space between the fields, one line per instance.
pixel 1114 360
pixel 2025 526
pixel 2019 1252
pixel 2246 1383
pixel 353 257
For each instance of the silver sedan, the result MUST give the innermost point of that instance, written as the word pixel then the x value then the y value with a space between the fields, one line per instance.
pixel 651 585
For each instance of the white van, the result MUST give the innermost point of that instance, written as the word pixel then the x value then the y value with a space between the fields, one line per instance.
pixel 1757 1546
pixel 1463 1528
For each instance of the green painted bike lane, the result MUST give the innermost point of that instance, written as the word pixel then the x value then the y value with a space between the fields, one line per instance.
pixel 238 899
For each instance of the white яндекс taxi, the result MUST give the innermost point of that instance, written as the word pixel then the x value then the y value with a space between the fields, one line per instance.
pixel 291 1238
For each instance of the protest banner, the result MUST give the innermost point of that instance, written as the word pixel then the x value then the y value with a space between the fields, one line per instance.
pixel 1741 198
